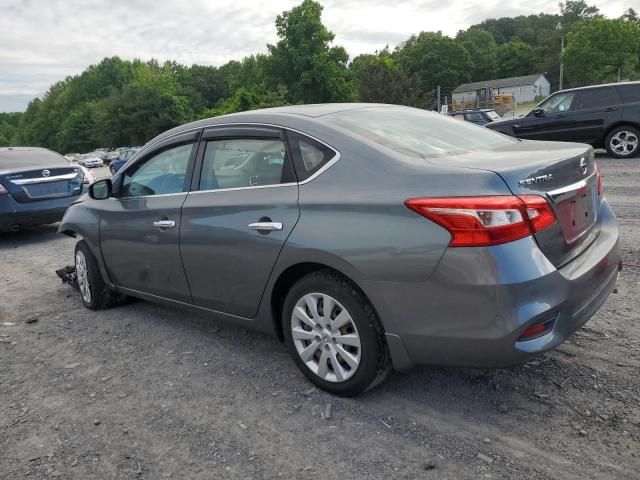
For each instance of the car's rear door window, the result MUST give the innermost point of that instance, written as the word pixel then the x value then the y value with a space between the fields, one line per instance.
pixel 629 93
pixel 243 162
pixel 596 98
pixel 161 174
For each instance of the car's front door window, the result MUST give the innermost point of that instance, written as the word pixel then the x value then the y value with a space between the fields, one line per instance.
pixel 161 174
pixel 558 103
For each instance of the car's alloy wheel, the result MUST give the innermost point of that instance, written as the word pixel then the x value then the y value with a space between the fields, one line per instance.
pixel 83 276
pixel 94 292
pixel 326 337
pixel 334 334
pixel 624 142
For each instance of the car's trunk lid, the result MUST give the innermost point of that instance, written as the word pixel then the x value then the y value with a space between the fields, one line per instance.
pixel 564 173
pixel 36 184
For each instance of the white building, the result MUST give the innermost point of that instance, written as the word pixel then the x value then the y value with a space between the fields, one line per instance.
pixel 523 89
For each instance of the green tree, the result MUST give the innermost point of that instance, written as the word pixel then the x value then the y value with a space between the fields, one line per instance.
pixel 9 127
pixel 482 50
pixel 516 58
pixel 379 79
pixel 247 98
pixel 601 50
pixel 147 106
pixel 436 59
pixel 573 11
pixel 631 16
pixel 304 61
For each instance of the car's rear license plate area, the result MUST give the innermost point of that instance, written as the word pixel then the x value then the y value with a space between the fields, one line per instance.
pixel 48 189
pixel 577 213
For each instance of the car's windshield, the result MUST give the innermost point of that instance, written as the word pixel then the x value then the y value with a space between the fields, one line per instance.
pixel 417 132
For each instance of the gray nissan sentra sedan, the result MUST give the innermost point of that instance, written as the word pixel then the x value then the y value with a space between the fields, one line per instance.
pixel 365 236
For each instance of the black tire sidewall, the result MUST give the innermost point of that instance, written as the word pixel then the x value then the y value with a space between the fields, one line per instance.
pixel 607 145
pixel 364 318
pixel 96 284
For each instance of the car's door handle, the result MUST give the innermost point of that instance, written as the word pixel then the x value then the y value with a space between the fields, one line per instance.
pixel 164 224
pixel 266 226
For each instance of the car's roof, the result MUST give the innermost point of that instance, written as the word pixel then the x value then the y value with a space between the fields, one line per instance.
pixel 18 157
pixel 289 116
pixel 315 110
pixel 589 87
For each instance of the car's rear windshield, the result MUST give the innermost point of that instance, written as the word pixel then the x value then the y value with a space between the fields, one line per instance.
pixel 30 157
pixel 417 132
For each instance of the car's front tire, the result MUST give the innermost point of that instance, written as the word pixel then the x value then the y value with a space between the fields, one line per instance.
pixel 623 142
pixel 334 334
pixel 95 294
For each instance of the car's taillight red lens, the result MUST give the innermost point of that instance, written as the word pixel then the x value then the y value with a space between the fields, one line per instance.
pixel 3 191
pixel 599 176
pixel 482 221
pixel 539 212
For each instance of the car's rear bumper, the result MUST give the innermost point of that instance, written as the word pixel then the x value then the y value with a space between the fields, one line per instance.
pixel 479 301
pixel 15 215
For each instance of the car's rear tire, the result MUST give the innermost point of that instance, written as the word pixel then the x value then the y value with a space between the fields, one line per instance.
pixel 95 294
pixel 623 142
pixel 343 350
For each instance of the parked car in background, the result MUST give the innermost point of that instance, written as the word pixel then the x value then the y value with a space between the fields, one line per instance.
pixel 90 161
pixel 364 235
pixel 72 157
pixel 101 153
pixel 479 116
pixel 604 116
pixel 117 163
pixel 111 156
pixel 36 187
pixel 89 176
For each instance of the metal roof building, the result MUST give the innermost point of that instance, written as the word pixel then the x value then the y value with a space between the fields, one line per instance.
pixel 524 89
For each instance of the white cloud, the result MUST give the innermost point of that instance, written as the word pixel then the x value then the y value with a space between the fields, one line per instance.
pixel 43 41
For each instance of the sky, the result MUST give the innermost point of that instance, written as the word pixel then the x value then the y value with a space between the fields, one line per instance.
pixel 44 41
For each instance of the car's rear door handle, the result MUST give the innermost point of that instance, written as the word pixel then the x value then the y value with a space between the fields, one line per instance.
pixel 266 226
pixel 164 224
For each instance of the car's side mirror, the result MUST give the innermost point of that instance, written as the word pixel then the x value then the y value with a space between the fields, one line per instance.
pixel 538 112
pixel 101 190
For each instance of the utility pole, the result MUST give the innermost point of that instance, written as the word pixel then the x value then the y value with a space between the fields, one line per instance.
pixel 618 74
pixel 438 95
pixel 561 64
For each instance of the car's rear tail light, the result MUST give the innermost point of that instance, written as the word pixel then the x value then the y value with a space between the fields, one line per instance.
pixel 482 221
pixel 599 176
pixel 539 212
pixel 3 191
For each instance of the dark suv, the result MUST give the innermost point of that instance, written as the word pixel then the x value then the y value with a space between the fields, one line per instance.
pixel 605 116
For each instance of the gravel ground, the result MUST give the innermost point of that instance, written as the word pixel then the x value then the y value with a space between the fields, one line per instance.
pixel 143 391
